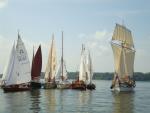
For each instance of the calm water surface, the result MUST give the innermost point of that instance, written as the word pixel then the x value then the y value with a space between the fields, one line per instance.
pixel 101 100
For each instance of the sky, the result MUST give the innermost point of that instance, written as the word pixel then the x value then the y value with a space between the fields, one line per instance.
pixel 89 22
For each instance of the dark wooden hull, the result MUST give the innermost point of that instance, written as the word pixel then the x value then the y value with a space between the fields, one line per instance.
pixel 78 85
pixel 35 85
pixel 15 88
pixel 91 86
pixel 49 85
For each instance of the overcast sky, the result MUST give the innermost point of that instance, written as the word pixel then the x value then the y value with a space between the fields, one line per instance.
pixel 83 21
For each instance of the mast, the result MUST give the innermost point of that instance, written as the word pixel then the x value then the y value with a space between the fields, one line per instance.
pixel 62 58
pixel 50 72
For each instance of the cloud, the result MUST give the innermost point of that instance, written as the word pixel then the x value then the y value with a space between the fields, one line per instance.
pixel 99 45
pixel 99 42
pixel 3 3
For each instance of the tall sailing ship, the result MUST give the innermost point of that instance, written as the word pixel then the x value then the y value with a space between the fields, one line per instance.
pixel 89 70
pixel 50 72
pixel 17 75
pixel 36 68
pixel 62 74
pixel 124 53
pixel 80 83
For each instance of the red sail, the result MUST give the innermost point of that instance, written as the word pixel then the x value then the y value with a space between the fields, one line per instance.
pixel 36 65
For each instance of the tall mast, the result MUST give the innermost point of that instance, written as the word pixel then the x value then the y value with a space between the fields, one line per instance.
pixel 62 56
pixel 50 73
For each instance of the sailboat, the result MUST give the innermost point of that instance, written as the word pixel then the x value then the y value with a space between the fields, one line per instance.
pixel 80 83
pixel 124 52
pixel 36 68
pixel 50 72
pixel 90 85
pixel 62 74
pixel 17 75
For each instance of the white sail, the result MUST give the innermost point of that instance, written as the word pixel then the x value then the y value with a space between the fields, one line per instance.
pixel 24 70
pixel 83 71
pixel 52 62
pixel 123 51
pixel 89 67
pixel 59 72
pixel 18 69
pixel 121 33
pixel 129 62
pixel 10 66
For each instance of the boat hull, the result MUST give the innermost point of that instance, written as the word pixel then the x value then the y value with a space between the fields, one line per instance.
pixel 17 87
pixel 49 85
pixel 91 86
pixel 78 85
pixel 35 85
pixel 123 87
pixel 64 85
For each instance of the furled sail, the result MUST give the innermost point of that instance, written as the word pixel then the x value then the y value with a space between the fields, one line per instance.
pixel 52 62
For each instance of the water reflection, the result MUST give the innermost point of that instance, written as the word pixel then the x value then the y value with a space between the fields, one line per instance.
pixel 50 100
pixel 61 101
pixel 16 102
pixel 84 99
pixel 35 101
pixel 123 102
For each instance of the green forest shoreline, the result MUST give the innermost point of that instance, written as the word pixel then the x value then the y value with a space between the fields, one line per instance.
pixel 138 76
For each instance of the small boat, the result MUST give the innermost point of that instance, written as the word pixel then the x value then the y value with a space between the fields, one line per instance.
pixel 17 75
pixel 90 85
pixel 80 83
pixel 62 75
pixel 36 69
pixel 51 68
pixel 124 53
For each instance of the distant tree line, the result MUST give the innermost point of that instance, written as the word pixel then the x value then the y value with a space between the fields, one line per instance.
pixel 138 76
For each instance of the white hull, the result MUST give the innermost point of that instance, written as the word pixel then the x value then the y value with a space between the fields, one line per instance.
pixel 63 85
pixel 123 88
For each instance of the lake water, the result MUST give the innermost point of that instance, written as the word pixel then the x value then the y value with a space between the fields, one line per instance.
pixel 101 100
